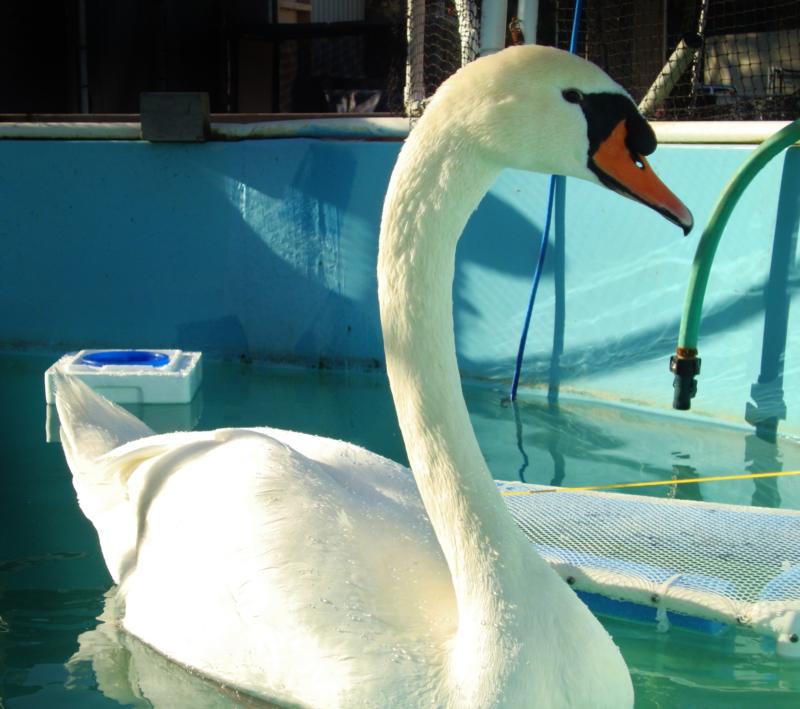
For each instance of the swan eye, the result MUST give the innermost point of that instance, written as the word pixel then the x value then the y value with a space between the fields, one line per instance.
pixel 572 95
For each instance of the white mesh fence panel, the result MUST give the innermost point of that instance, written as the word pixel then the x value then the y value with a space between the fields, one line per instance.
pixel 442 37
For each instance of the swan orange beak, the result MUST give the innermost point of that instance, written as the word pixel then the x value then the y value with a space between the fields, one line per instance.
pixel 632 176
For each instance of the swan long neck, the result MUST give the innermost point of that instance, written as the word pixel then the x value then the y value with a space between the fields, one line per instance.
pixel 434 189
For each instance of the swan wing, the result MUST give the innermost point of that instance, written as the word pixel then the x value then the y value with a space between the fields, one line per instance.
pixel 250 555
pixel 252 561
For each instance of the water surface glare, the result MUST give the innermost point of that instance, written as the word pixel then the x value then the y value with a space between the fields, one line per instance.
pixel 53 582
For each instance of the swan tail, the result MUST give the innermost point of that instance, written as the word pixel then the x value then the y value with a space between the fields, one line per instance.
pixel 91 425
pixel 91 428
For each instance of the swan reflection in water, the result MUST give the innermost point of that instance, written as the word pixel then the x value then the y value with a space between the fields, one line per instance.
pixel 130 672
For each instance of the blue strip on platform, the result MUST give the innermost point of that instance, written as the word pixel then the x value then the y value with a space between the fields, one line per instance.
pixel 627 610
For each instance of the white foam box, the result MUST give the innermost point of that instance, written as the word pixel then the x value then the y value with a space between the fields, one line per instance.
pixel 133 376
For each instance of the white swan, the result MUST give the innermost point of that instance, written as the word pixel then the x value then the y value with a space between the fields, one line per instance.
pixel 314 573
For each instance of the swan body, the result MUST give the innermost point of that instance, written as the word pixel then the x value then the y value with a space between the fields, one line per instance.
pixel 315 573
pixel 262 580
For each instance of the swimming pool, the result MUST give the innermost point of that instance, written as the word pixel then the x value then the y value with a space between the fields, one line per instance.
pixel 266 249
pixel 54 582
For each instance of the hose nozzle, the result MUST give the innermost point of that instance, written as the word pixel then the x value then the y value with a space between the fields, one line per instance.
pixel 685 365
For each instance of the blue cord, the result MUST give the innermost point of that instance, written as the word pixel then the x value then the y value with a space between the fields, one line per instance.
pixel 537 274
pixel 573 41
pixel 576 21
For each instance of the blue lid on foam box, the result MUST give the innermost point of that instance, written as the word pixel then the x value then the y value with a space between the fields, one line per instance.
pixel 146 358
pixel 133 376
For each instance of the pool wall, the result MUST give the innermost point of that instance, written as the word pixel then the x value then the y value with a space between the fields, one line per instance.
pixel 266 249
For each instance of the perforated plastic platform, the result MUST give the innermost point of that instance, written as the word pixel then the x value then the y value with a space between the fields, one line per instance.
pixel 732 564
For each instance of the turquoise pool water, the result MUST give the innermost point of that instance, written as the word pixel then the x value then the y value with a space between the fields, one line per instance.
pixel 53 582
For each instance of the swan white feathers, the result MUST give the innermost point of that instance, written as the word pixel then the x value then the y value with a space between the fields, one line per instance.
pixel 242 554
pixel 315 573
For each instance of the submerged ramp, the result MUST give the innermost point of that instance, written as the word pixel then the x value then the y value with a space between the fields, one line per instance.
pixel 727 563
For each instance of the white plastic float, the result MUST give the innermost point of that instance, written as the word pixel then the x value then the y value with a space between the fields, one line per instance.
pixel 133 376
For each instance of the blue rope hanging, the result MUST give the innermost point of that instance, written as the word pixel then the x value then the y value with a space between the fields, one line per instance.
pixel 573 41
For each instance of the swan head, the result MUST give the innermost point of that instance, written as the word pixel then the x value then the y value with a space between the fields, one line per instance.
pixel 542 109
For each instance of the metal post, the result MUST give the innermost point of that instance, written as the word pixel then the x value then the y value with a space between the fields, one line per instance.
pixel 528 15
pixel 493 26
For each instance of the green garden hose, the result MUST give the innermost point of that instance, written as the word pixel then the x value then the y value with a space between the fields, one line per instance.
pixel 685 364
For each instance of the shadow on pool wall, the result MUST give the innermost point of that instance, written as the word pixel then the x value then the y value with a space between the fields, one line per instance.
pixel 267 250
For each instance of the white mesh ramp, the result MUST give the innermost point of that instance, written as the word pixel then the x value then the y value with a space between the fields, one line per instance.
pixel 737 565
